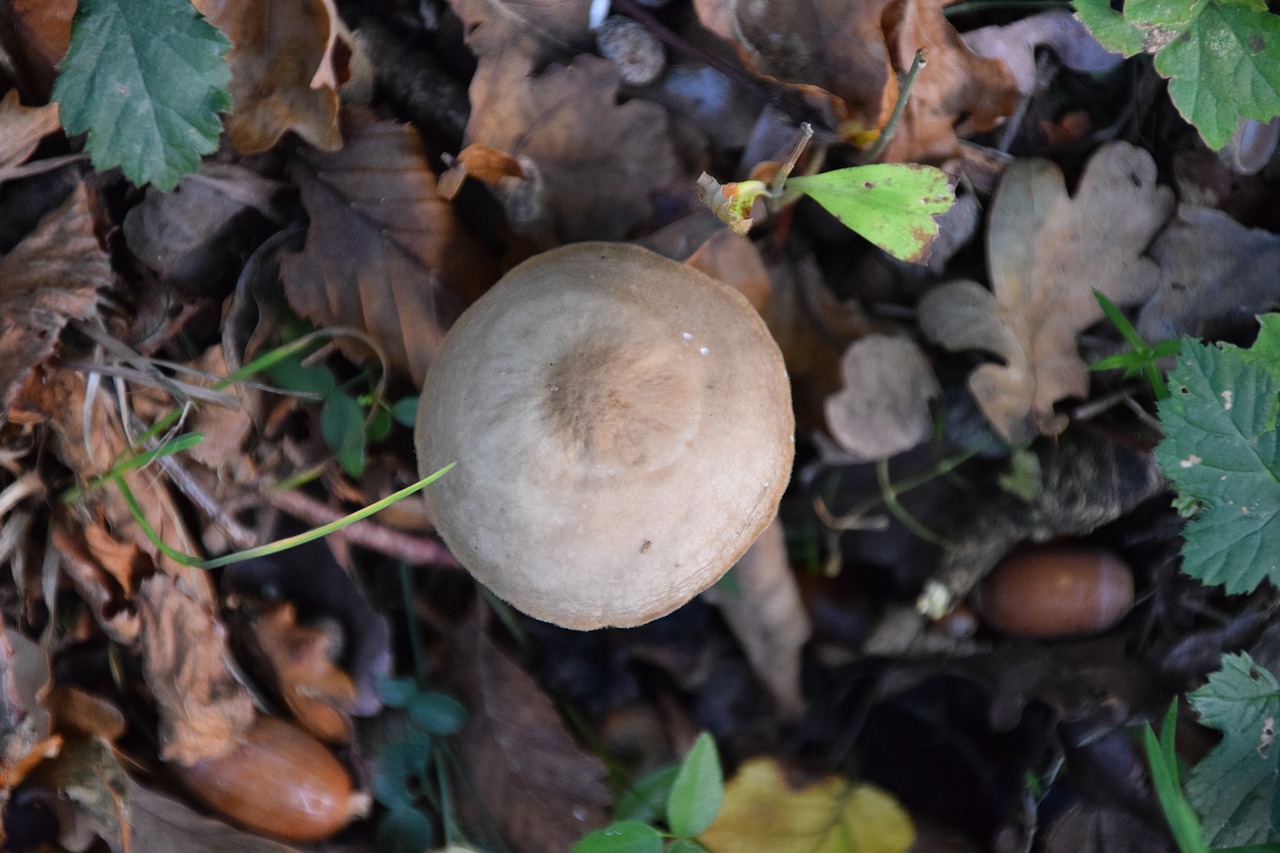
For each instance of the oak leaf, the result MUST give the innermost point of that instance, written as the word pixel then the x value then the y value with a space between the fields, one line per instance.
pixel 1047 252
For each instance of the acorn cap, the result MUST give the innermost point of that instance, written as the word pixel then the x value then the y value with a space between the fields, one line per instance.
pixel 622 429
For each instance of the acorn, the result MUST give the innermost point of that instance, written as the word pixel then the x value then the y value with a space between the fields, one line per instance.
pixel 1056 592
pixel 280 781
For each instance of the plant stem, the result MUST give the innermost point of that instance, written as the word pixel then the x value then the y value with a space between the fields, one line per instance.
pixel 904 92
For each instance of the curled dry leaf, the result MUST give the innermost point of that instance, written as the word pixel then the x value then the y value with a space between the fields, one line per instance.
pixel 22 128
pixel 279 50
pixel 384 252
pixel 203 710
pixel 538 29
pixel 35 37
pixel 1047 253
pixel 50 278
pixel 883 407
pixel 1214 272
pixel 601 162
pixel 1062 32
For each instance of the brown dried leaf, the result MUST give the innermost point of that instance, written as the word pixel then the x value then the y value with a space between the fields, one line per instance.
pixel 36 35
pixel 768 617
pixel 539 29
pixel 162 825
pixel 384 252
pixel 95 585
pixel 883 407
pixel 203 710
pixel 280 49
pixel 24 721
pixel 1047 253
pixel 600 162
pixel 1066 35
pixel 92 800
pixel 736 262
pixel 543 789
pixel 22 128
pixel 50 278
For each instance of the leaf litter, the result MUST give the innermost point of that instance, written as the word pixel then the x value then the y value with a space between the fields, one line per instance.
pixel 946 416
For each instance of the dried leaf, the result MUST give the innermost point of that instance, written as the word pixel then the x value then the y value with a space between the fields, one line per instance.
pixel 24 721
pixel 539 29
pixel 384 253
pixel 1015 45
pixel 96 585
pixel 883 407
pixel 542 788
pixel 279 49
pixel 41 31
pixel 601 162
pixel 50 278
pixel 736 262
pixel 92 800
pixel 162 824
pixel 22 128
pixel 762 812
pixel 203 710
pixel 1047 252
pixel 767 616
pixel 1214 273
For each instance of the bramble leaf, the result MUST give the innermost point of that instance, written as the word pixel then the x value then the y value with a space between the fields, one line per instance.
pixel 1235 786
pixel 890 204
pixel 1223 450
pixel 146 80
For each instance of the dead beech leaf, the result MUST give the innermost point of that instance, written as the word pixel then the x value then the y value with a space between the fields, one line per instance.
pixel 883 407
pixel 50 278
pixel 1214 273
pixel 539 29
pixel 544 791
pixel 278 50
pixel 22 128
pixel 1066 35
pixel 203 710
pixel 1047 253
pixel 40 31
pixel 384 253
pixel 768 617
pixel 162 825
pixel 833 815
pixel 600 162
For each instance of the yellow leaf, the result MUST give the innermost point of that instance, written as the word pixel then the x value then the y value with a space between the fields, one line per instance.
pixel 761 812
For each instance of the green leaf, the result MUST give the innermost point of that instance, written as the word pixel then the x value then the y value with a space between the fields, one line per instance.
pixel 400 762
pixel 342 425
pixel 1148 13
pixel 1109 27
pixel 1235 786
pixel 404 830
pixel 379 425
pixel 646 800
pixel 437 713
pixel 405 411
pixel 698 790
pixel 628 836
pixel 1164 775
pixel 396 692
pixel 1224 66
pixel 1221 449
pixel 890 204
pixel 146 80
pixel 292 375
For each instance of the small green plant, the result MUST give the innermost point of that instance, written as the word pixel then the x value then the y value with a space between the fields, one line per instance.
pixel 684 799
pixel 1163 762
pixel 1143 358
pixel 1220 56
pixel 409 777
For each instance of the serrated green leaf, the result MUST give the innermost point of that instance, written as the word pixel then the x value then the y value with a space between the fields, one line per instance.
pixel 1235 786
pixel 1221 448
pixel 698 790
pixel 1266 348
pixel 1148 13
pixel 890 204
pixel 628 836
pixel 1224 66
pixel 1109 27
pixel 146 80
pixel 342 425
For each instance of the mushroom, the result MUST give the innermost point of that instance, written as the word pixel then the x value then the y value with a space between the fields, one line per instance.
pixel 622 429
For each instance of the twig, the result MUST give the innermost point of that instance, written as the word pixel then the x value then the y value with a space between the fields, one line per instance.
pixel 904 92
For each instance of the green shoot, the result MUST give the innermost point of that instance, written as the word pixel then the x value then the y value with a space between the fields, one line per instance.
pixel 1183 822
pixel 1142 358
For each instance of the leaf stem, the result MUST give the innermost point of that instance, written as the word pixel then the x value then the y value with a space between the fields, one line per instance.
pixel 904 92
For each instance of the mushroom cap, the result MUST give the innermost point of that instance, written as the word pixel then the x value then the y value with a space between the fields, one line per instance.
pixel 622 429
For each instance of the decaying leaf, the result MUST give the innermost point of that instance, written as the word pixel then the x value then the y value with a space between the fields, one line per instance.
pixel 539 29
pixel 601 161
pixel 50 278
pixel 736 262
pixel 883 407
pixel 279 50
pixel 203 710
pixel 834 815
pixel 1047 253
pixel 24 722
pixel 162 824
pixel 384 252
pixel 41 30
pixel 767 616
pixel 91 799
pixel 22 128
pixel 1015 45
pixel 1214 274
pixel 544 791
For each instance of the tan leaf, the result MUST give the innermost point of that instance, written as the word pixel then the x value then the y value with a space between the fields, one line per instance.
pixel 41 31
pixel 279 49
pixel 767 616
pixel 539 29
pixel 162 825
pixel 203 710
pixel 544 791
pixel 384 252
pixel 601 162
pixel 1047 252
pixel 1015 45
pixel 736 262
pixel 50 278
pixel 22 128
pixel 24 721
pixel 883 407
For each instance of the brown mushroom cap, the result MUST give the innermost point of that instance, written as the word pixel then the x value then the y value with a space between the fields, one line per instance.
pixel 622 428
